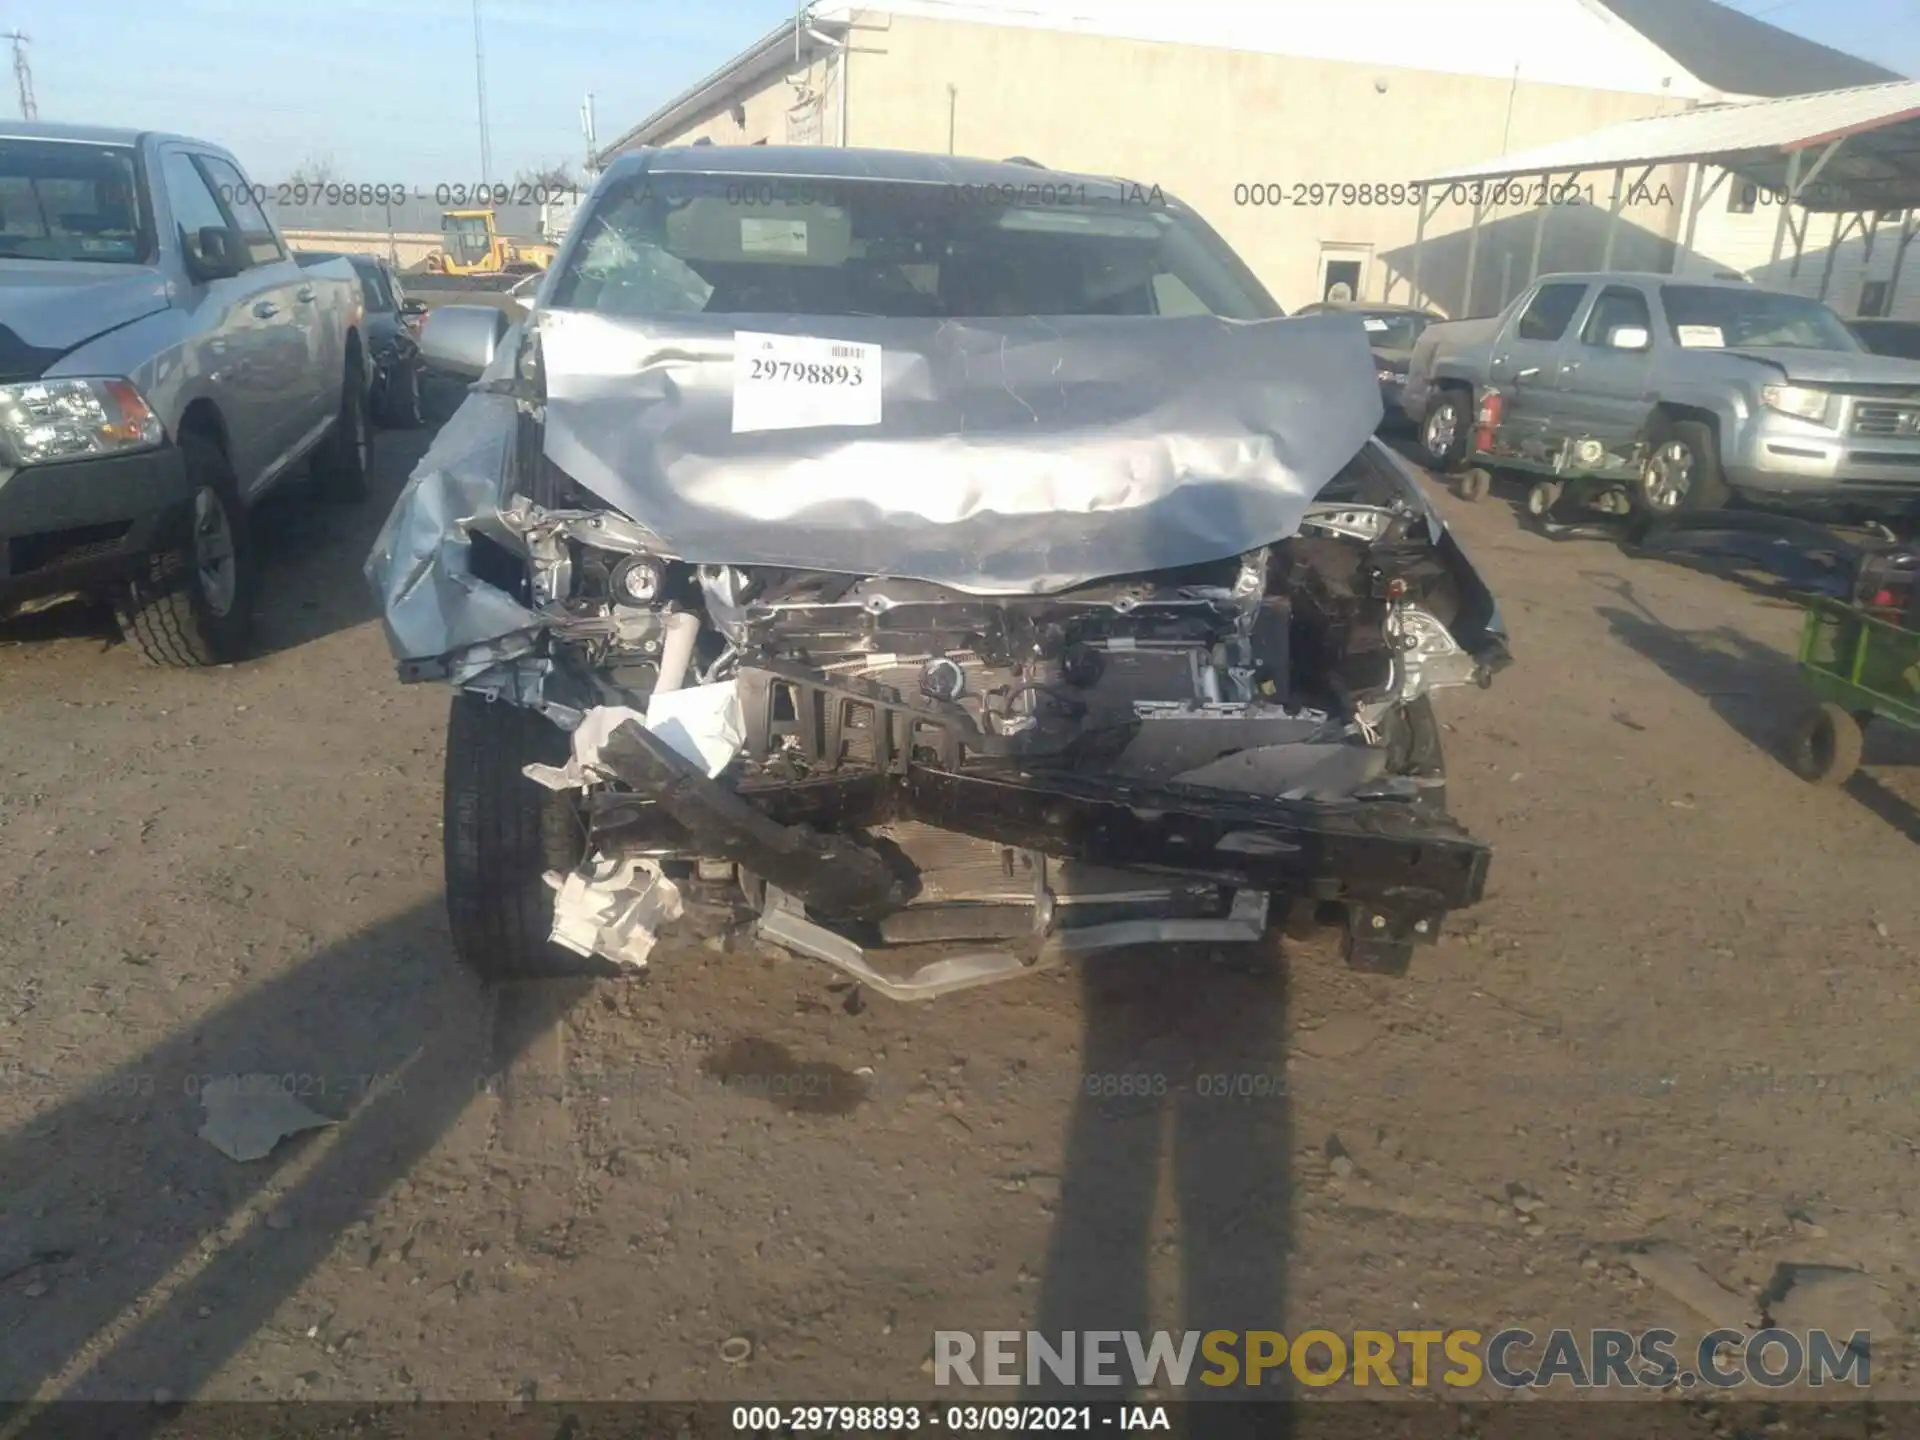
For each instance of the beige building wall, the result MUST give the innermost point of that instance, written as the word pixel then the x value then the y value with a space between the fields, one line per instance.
pixel 1202 121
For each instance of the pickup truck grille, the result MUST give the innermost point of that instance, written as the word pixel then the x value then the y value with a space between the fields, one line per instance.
pixel 1882 419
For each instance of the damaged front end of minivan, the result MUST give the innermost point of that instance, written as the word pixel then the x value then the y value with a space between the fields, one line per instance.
pixel 1075 633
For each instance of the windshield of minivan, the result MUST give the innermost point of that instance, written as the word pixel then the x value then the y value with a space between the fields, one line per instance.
pixel 729 245
pixel 66 201
pixel 1715 316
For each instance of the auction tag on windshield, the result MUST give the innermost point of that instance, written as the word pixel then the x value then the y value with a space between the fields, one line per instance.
pixel 760 235
pixel 1376 325
pixel 798 382
pixel 1700 337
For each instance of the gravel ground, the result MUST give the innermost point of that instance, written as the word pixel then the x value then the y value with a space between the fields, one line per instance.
pixel 1684 1012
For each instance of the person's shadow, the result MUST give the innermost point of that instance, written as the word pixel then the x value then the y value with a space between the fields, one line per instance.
pixel 1184 1057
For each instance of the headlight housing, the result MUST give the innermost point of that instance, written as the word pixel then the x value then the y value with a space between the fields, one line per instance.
pixel 1798 401
pixel 47 420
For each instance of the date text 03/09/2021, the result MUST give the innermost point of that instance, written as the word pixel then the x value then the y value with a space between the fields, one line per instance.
pixel 451 195
pixel 958 1419
pixel 1289 194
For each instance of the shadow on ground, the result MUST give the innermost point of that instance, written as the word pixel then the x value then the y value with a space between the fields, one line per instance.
pixel 1756 690
pixel 110 1192
pixel 1182 1093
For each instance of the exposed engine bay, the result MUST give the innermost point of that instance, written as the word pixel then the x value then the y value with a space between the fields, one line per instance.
pixel 989 749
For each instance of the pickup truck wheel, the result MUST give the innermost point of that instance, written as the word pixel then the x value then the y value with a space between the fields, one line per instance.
pixel 1682 473
pixel 1447 429
pixel 342 460
pixel 501 835
pixel 193 605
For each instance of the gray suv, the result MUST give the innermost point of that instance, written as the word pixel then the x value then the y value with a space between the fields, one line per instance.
pixel 1686 390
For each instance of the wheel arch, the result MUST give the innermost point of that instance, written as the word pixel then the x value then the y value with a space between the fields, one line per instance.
pixel 1669 412
pixel 202 417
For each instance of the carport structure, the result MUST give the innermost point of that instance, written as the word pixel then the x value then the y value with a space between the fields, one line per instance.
pixel 1853 153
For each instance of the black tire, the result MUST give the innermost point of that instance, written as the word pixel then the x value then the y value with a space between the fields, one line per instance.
pixel 178 612
pixel 502 834
pixel 1826 746
pixel 1458 404
pixel 1705 486
pixel 1414 748
pixel 404 409
pixel 342 460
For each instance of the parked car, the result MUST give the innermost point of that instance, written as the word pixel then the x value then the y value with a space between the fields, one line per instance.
pixel 164 363
pixel 1686 391
pixel 997 603
pixel 1899 338
pixel 1392 331
pixel 392 342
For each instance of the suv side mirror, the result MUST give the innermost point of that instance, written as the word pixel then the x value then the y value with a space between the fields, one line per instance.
pixel 1628 337
pixel 461 340
pixel 218 255
pixel 413 307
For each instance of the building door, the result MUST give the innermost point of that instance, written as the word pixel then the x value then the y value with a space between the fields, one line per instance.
pixel 1343 272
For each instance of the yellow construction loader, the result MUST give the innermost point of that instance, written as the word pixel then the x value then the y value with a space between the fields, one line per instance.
pixel 475 246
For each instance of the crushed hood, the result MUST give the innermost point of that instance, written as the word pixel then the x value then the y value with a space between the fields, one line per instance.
pixel 1015 456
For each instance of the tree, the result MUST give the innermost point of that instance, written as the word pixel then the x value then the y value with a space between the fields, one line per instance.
pixel 556 177
pixel 314 170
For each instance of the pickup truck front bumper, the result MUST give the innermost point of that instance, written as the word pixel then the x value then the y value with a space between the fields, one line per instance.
pixel 1397 868
pixel 1777 456
pixel 84 523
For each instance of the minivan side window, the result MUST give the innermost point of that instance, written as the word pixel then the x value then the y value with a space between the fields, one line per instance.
pixel 1549 311
pixel 1619 307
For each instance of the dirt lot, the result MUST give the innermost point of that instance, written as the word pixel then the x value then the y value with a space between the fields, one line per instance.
pixel 1685 1011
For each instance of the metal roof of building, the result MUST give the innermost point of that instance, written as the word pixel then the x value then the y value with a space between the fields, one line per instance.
pixel 1877 167
pixel 1741 55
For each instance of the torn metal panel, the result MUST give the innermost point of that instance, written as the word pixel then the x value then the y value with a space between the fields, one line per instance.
pixel 614 908
pixel 1012 456
pixel 431 601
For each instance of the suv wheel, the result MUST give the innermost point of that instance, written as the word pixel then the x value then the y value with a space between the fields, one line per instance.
pixel 403 398
pixel 341 461
pixel 192 604
pixel 502 834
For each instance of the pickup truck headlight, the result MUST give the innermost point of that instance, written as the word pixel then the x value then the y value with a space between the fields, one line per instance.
pixel 66 419
pixel 1798 400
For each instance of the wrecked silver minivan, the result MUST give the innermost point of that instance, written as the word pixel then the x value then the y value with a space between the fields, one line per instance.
pixel 963 564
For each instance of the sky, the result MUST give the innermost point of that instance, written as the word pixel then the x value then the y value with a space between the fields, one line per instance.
pixel 384 89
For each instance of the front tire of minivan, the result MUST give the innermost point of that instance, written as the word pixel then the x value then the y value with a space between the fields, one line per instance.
pixel 502 833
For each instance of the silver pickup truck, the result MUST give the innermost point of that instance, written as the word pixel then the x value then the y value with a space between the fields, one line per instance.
pixel 164 362
pixel 1679 392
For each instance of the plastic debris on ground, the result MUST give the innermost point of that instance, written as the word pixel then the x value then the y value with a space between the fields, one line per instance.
pixel 613 908
pixel 248 1115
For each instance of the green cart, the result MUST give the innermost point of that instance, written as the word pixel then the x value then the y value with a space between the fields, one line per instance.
pixel 1861 663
